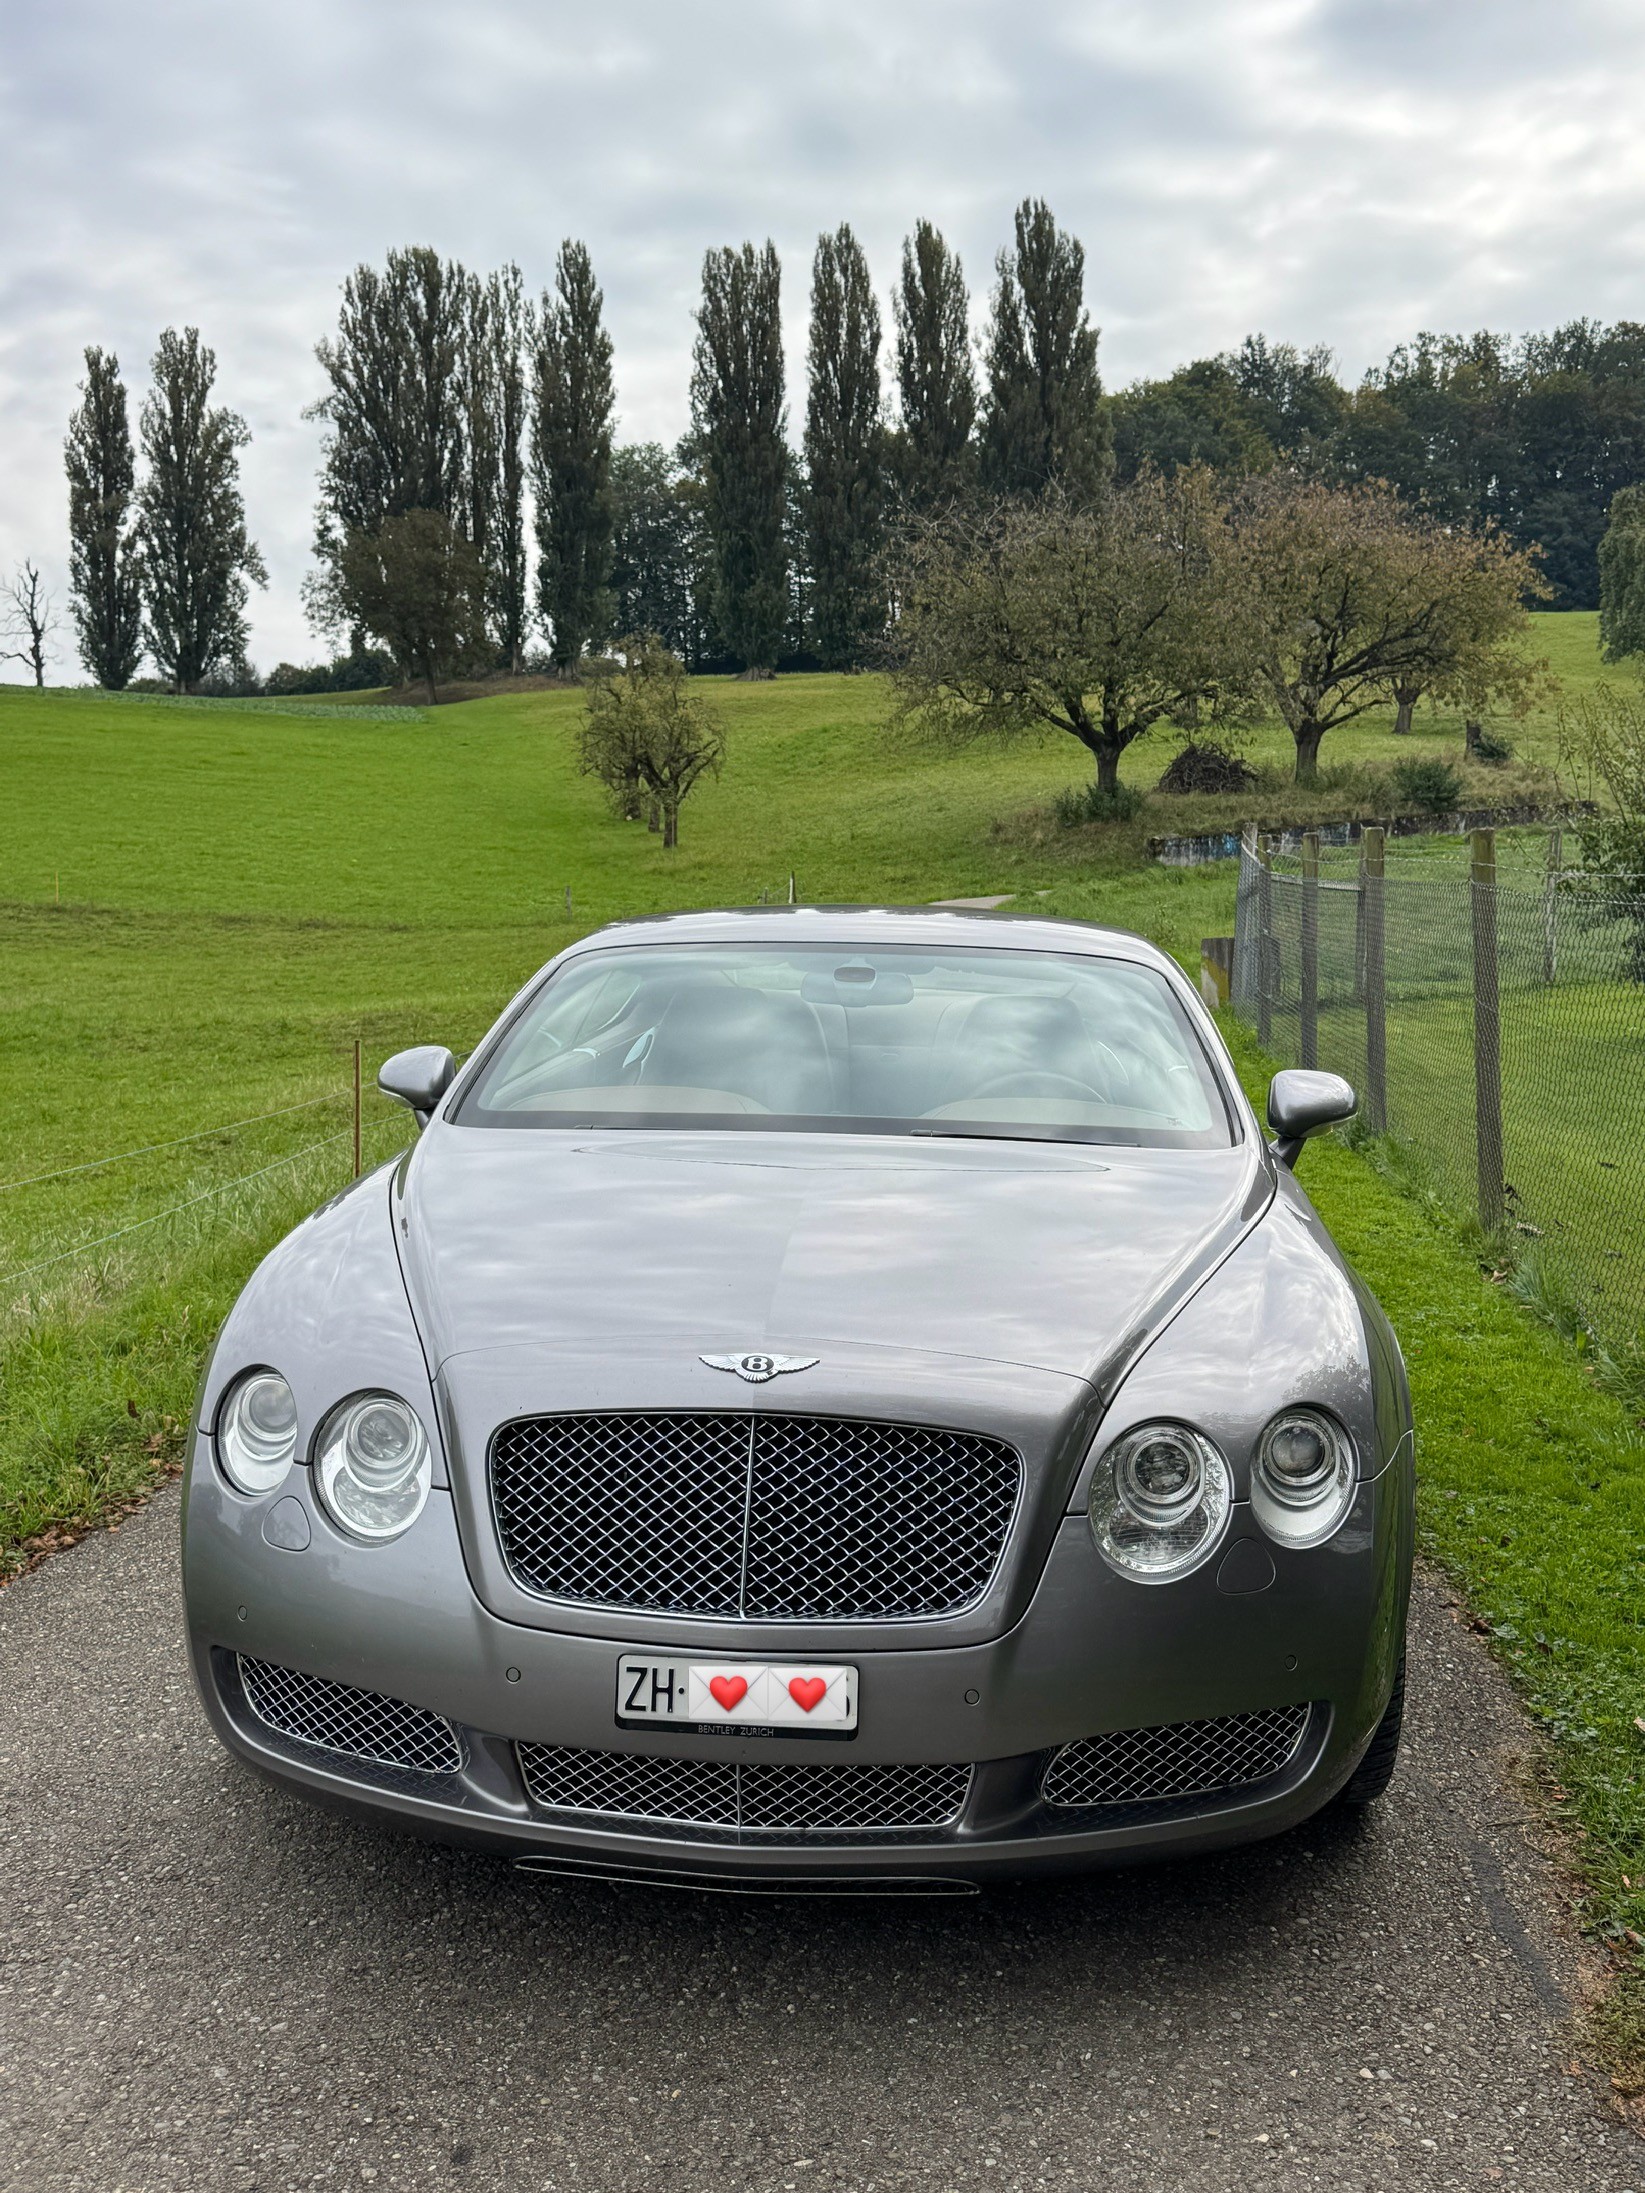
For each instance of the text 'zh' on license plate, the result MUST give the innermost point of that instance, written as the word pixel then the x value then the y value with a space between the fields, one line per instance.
pixel 737 1696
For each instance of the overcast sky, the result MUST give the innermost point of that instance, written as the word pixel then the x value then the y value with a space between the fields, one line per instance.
pixel 1337 171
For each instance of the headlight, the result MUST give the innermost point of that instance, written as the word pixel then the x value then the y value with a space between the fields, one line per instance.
pixel 257 1432
pixel 373 1467
pixel 1159 1502
pixel 1303 1482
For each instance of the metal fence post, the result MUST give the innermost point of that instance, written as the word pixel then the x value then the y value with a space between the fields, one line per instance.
pixel 1373 846
pixel 1265 946
pixel 1487 1029
pixel 1308 1029
pixel 1550 892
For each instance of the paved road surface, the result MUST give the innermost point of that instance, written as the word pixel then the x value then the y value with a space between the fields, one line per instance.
pixel 205 1985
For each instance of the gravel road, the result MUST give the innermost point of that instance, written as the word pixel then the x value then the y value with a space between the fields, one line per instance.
pixel 204 1984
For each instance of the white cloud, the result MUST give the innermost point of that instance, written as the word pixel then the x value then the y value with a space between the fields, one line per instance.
pixel 1341 171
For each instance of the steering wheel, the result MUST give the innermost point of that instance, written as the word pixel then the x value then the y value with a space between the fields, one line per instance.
pixel 1032 1084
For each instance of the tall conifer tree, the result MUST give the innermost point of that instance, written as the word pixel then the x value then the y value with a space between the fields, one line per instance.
pixel 571 457
pixel 1044 420
pixel 737 417
pixel 936 381
pixel 844 454
pixel 197 558
pixel 105 579
pixel 492 513
pixel 396 410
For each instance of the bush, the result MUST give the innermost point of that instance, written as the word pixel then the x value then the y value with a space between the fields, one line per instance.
pixel 1492 746
pixel 360 673
pixel 1433 787
pixel 1203 766
pixel 1090 803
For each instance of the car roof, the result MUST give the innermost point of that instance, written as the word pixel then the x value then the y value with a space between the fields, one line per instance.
pixel 959 927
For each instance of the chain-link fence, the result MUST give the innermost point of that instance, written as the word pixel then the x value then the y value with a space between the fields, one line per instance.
pixel 1492 1017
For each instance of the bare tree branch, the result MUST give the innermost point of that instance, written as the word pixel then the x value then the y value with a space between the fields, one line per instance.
pixel 28 614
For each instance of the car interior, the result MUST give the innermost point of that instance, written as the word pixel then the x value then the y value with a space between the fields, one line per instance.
pixel 1000 1039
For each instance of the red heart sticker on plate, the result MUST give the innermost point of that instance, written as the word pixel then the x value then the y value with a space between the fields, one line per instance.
pixel 806 1691
pixel 729 1690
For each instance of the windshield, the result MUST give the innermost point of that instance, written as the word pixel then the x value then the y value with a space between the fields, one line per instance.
pixel 893 1040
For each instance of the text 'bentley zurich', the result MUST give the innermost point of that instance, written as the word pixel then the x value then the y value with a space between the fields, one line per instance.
pixel 832 1399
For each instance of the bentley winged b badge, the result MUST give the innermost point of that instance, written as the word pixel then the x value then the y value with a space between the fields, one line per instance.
pixel 758 1368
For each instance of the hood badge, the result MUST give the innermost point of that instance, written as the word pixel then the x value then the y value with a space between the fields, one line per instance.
pixel 756 1369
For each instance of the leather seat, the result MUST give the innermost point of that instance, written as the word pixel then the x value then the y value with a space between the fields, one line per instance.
pixel 769 1048
pixel 1008 1037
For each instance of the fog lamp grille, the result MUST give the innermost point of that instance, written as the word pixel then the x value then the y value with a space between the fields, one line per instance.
pixel 1181 1759
pixel 357 1724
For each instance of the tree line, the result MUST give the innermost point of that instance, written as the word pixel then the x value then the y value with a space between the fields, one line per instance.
pixel 477 512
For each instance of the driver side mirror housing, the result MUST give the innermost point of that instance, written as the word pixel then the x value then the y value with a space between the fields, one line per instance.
pixel 419 1078
pixel 1302 1103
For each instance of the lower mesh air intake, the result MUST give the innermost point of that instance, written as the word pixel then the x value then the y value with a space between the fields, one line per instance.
pixel 357 1724
pixel 726 1797
pixel 1182 1759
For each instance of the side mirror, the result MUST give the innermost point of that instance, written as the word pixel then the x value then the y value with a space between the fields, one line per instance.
pixel 1302 1103
pixel 420 1077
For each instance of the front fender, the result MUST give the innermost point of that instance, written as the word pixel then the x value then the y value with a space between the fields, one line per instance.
pixel 328 1310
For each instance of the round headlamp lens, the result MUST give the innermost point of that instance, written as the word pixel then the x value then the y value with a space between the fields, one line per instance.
pixel 1161 1475
pixel 1160 1500
pixel 1304 1480
pixel 374 1468
pixel 257 1432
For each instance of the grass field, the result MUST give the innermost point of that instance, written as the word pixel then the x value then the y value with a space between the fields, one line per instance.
pixel 202 907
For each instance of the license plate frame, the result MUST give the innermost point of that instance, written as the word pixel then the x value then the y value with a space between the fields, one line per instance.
pixel 676 1691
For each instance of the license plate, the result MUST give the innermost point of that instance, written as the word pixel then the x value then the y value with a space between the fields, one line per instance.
pixel 736 1697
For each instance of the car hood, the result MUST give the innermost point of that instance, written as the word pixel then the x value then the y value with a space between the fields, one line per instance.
pixel 1061 1257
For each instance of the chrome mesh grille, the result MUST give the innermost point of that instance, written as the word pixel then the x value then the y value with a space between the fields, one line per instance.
pixel 726 1796
pixel 769 1518
pixel 1183 1759
pixel 357 1723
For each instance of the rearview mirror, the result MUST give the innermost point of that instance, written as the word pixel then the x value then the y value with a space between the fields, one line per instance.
pixel 419 1078
pixel 1302 1103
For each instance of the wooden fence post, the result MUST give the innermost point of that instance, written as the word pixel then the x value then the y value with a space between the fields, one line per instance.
pixel 1373 905
pixel 1550 893
pixel 1265 944
pixel 1308 1030
pixel 1487 1029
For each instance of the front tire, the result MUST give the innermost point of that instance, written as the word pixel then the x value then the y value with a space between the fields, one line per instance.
pixel 1376 1770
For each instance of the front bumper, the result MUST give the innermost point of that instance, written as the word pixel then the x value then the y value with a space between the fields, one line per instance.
pixel 1093 1653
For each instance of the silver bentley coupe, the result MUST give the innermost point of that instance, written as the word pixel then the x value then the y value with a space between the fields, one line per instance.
pixel 840 1400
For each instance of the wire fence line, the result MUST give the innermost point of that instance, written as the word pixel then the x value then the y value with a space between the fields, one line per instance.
pixel 155 1218
pixel 149 1149
pixel 1493 1020
pixel 76 1252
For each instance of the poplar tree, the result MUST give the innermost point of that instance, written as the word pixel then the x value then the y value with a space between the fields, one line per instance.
pixel 844 454
pixel 738 421
pixel 492 509
pixel 1044 421
pixel 196 556
pixel 936 381
pixel 105 579
pixel 396 407
pixel 571 460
